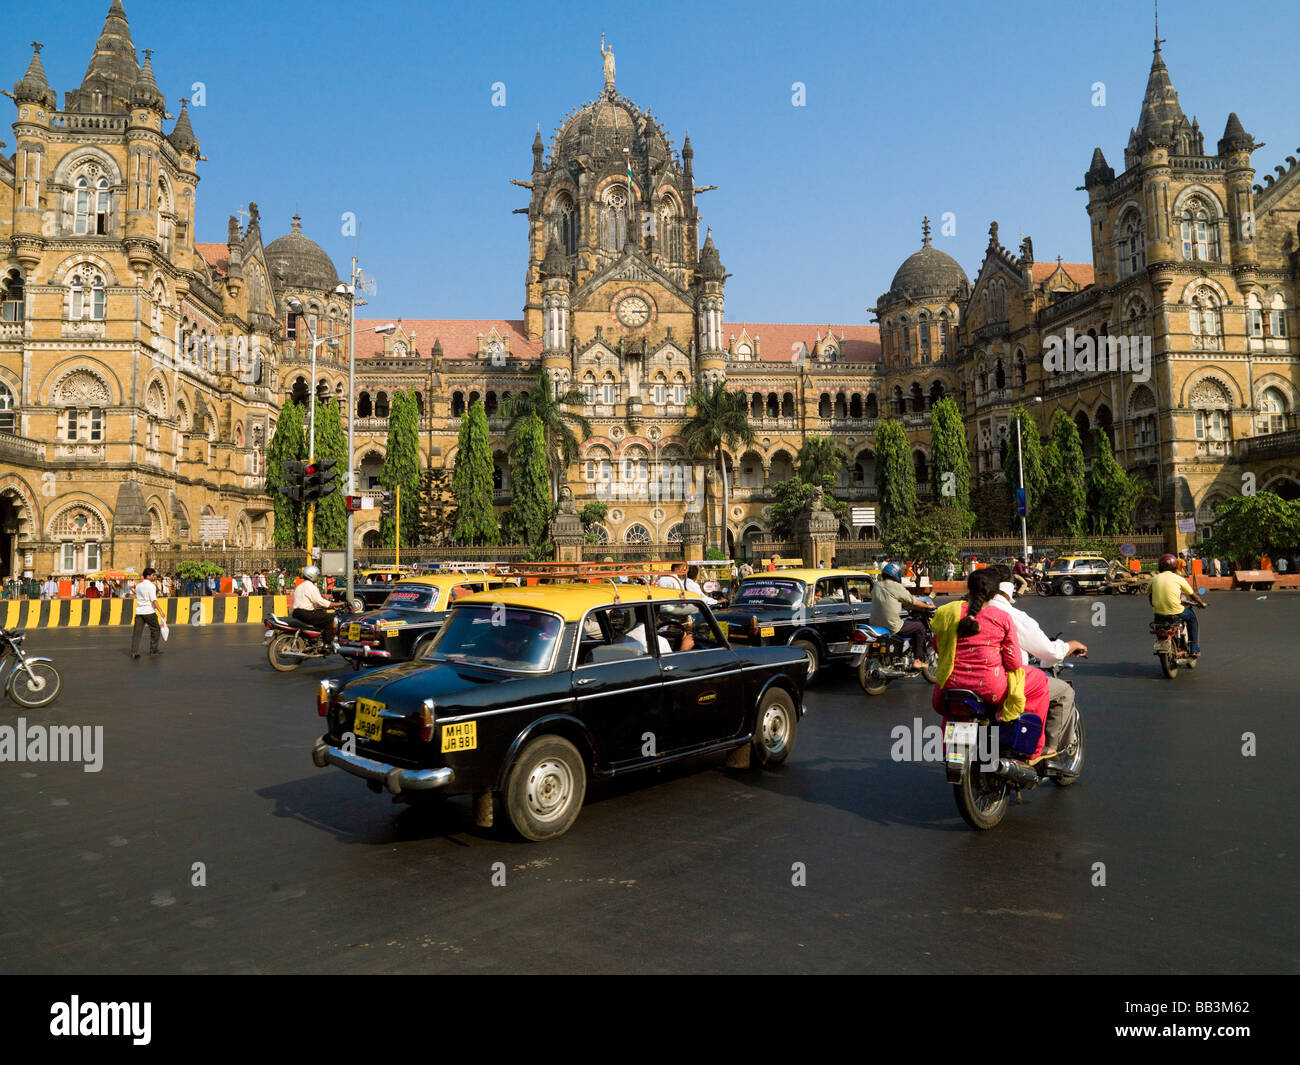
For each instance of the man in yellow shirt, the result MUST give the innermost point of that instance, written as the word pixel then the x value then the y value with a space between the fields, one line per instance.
pixel 1167 591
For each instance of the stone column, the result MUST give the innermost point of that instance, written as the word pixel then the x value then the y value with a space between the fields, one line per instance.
pixel 815 531
pixel 566 529
pixel 692 535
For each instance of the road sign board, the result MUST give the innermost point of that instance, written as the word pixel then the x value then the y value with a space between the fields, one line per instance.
pixel 864 515
pixel 1187 525
pixel 1020 502
pixel 1128 550
pixel 213 527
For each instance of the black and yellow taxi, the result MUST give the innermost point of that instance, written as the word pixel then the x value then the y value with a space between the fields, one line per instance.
pixel 812 610
pixel 526 693
pixel 408 617
pixel 370 587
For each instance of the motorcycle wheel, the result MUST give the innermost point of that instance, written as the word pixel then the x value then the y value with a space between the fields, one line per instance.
pixel 41 691
pixel 276 652
pixel 1072 757
pixel 931 670
pixel 1169 664
pixel 871 685
pixel 982 799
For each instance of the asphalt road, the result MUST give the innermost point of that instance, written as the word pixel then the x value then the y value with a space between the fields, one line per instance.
pixel 206 760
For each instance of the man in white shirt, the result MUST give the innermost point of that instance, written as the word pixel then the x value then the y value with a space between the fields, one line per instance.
pixel 49 590
pixel 146 615
pixel 682 577
pixel 1033 641
pixel 312 608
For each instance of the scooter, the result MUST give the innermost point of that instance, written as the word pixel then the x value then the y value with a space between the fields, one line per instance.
pixel 881 656
pixel 32 682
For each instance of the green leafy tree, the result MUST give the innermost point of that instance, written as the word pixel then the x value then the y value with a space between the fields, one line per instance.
pixel 594 512
pixel 1112 493
pixel 288 444
pixel 1249 527
pixel 1063 511
pixel 932 534
pixel 1035 478
pixel 331 443
pixel 402 467
pixel 721 420
pixel 529 514
pixel 437 506
pixel 789 498
pixel 558 424
pixel 475 522
pixel 895 472
pixel 950 462
pixel 821 461
pixel 988 501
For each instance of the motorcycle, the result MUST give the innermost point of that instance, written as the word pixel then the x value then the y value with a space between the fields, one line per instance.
pixel 1172 646
pixel 290 642
pixel 32 682
pixel 983 781
pixel 881 656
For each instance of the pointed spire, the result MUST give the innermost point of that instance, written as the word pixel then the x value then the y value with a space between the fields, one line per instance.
pixel 437 346
pixel 1235 137
pixel 925 231
pixel 710 266
pixel 113 69
pixel 145 93
pixel 1099 173
pixel 296 224
pixel 33 87
pixel 1161 116
pixel 182 135
pixel 554 264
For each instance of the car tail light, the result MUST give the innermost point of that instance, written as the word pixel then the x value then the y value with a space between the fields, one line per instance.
pixel 324 693
pixel 857 636
pixel 753 625
pixel 426 721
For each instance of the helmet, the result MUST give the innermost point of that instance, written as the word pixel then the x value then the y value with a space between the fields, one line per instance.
pixel 890 572
pixel 311 573
pixel 1167 562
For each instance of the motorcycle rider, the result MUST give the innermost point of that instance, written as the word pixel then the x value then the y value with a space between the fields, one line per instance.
pixel 1167 590
pixel 888 597
pixel 312 608
pixel 1020 575
pixel 1049 652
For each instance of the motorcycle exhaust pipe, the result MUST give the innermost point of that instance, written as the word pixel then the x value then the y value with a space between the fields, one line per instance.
pixel 1016 773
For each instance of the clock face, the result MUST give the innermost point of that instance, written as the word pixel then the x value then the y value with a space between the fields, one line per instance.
pixel 633 311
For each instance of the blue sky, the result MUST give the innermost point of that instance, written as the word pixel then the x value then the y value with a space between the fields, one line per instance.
pixel 385 110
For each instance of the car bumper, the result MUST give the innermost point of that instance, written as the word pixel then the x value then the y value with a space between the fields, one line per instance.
pixel 360 650
pixel 393 778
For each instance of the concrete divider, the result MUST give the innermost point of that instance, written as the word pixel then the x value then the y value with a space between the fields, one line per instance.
pixel 178 610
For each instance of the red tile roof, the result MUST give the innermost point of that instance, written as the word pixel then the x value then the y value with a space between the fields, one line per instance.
pixel 459 336
pixel 1080 273
pixel 778 341
pixel 217 256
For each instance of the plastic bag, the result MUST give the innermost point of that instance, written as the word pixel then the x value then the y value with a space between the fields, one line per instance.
pixel 163 629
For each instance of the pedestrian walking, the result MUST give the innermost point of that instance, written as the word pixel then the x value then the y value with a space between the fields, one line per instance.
pixel 146 614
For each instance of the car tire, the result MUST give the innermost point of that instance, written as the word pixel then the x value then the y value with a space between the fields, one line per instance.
pixel 419 647
pixel 545 788
pixel 809 650
pixel 358 606
pixel 1068 588
pixel 775 726
pixel 284 642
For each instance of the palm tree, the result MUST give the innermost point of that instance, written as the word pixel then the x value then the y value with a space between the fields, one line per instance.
pixel 820 461
pixel 552 411
pixel 721 419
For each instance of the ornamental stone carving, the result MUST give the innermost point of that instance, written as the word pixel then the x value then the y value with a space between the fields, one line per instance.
pixel 81 388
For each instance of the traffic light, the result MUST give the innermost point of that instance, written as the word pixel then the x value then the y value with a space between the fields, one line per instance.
pixel 293 483
pixel 388 504
pixel 320 479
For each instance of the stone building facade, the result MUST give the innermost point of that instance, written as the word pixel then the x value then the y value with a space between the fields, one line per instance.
pixel 141 372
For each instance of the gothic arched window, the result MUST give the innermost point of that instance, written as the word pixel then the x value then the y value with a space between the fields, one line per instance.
pixel 1272 405
pixel 1132 244
pixel 11 296
pixel 1204 318
pixel 613 219
pixel 1200 231
pixel 1210 406
pixel 6 410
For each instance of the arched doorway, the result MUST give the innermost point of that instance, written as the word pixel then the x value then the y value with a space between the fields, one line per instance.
pixel 13 517
pixel 371 539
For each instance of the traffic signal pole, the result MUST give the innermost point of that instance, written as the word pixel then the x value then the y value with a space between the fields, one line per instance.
pixel 397 528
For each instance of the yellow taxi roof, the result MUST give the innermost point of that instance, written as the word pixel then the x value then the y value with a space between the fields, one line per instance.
pixel 572 601
pixel 808 574
pixel 444 580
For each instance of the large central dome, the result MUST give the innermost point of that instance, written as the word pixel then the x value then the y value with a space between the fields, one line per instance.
pixel 297 261
pixel 928 272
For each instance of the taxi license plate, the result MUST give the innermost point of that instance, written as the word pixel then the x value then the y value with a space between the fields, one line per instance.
pixel 462 736
pixel 354 632
pixel 768 630
pixel 367 724
pixel 957 737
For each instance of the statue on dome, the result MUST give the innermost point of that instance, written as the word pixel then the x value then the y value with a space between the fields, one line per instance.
pixel 608 54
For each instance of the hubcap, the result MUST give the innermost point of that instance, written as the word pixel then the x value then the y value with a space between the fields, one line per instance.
pixel 550 787
pixel 35 683
pixel 812 663
pixel 774 728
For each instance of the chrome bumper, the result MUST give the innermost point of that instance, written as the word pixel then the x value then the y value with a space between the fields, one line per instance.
pixel 359 650
pixel 395 780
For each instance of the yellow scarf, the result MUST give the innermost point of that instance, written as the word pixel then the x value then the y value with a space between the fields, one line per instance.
pixel 944 627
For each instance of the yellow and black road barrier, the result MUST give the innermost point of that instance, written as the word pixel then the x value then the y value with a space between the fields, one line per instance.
pixel 178 610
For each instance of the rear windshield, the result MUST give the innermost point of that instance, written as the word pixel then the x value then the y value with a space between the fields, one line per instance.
pixel 412 597
pixel 495 635
pixel 770 592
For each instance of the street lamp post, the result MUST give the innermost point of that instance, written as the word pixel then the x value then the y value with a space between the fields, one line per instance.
pixel 1020 457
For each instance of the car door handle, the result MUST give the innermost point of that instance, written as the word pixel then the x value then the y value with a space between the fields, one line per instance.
pixel 583 680
pixel 668 669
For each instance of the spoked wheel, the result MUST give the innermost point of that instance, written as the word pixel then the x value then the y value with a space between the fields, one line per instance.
pixel 931 670
pixel 1070 757
pixel 869 675
pixel 1169 664
pixel 982 799
pixel 775 729
pixel 39 688
pixel 280 652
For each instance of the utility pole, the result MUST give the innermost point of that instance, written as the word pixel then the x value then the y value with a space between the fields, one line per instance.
pixel 348 561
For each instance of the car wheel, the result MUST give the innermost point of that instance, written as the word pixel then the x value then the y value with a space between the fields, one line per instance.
pixel 545 789
pixel 358 606
pixel 1068 588
pixel 421 645
pixel 775 727
pixel 810 652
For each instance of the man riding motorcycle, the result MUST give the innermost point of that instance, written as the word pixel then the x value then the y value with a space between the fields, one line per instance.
pixel 1021 576
pixel 1167 593
pixel 1033 641
pixel 888 597
pixel 312 608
